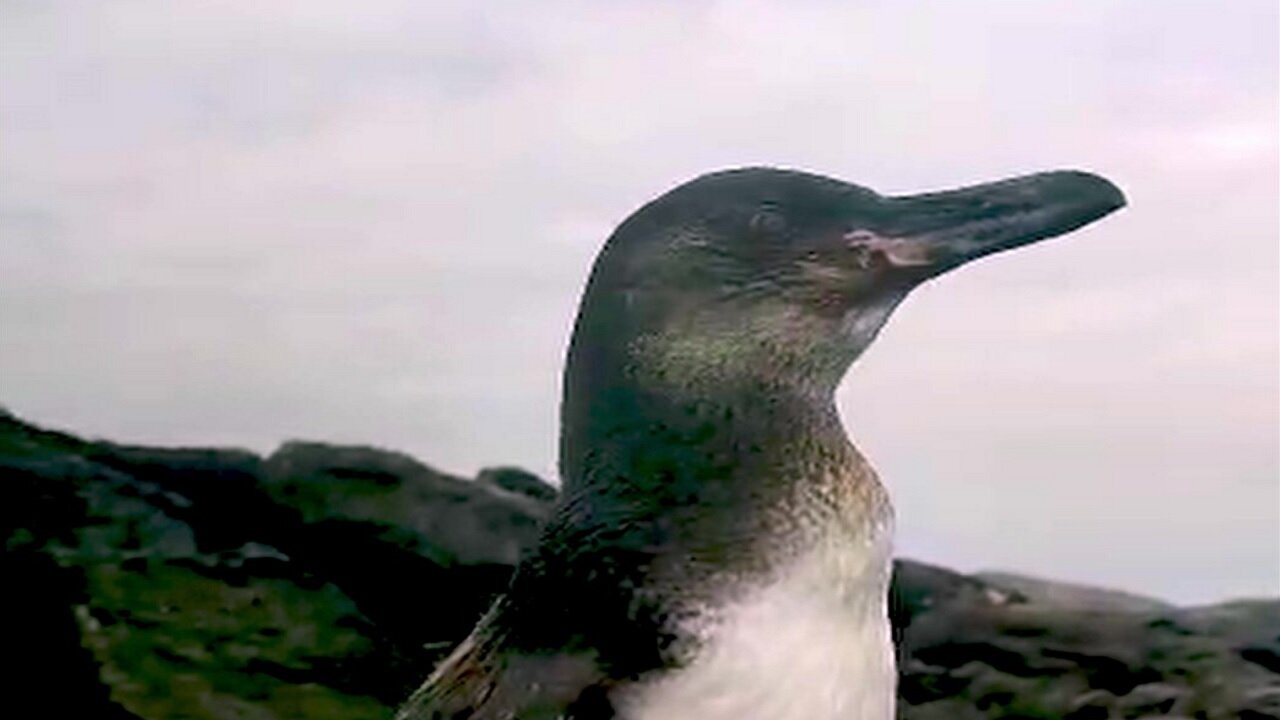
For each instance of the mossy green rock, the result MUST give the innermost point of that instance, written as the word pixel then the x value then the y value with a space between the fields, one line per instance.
pixel 324 582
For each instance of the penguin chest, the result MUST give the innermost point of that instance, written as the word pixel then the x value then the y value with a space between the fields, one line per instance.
pixel 813 645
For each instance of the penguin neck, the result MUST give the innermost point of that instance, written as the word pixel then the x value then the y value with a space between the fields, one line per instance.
pixel 746 382
pixel 727 433
pixel 745 417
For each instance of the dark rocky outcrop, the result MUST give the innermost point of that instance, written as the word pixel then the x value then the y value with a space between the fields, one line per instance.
pixel 323 581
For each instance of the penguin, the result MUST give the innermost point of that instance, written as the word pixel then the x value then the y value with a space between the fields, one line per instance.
pixel 720 549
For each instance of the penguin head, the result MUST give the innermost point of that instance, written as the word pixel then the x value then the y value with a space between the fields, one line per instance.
pixel 796 272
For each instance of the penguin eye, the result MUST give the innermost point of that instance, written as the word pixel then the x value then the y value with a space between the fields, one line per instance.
pixel 768 220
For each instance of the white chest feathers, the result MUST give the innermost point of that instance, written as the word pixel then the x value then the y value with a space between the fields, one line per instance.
pixel 813 645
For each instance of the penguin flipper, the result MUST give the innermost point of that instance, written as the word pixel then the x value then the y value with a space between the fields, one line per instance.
pixel 481 682
pixel 459 688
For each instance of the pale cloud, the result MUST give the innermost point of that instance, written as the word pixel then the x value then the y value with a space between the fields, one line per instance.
pixel 238 222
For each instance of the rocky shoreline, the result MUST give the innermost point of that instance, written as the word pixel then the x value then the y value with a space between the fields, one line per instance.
pixel 323 581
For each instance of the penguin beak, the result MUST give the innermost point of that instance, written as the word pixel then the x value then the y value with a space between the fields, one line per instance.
pixel 936 232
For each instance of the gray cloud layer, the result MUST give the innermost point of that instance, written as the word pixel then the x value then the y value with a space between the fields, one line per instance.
pixel 236 222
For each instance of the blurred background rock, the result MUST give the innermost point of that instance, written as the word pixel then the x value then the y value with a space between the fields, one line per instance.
pixel 324 581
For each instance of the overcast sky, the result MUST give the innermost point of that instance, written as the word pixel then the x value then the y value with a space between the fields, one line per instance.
pixel 235 223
